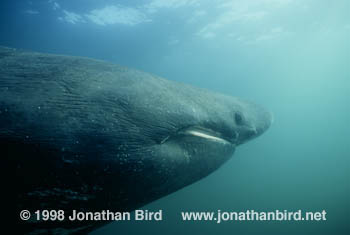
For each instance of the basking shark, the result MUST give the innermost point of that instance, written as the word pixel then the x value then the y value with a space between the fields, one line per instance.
pixel 89 135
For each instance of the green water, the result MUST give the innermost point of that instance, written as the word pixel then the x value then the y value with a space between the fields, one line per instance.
pixel 290 56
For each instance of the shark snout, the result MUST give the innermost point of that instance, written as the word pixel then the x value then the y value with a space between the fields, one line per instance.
pixel 257 121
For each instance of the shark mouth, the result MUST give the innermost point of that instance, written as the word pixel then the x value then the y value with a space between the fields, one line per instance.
pixel 205 133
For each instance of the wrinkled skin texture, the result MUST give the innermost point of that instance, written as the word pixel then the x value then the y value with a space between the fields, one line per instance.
pixel 89 135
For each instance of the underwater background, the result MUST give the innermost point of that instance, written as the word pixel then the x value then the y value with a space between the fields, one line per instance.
pixel 290 56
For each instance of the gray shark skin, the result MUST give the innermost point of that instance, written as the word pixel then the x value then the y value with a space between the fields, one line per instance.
pixel 87 135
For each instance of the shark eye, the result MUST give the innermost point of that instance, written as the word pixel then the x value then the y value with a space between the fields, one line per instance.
pixel 239 119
